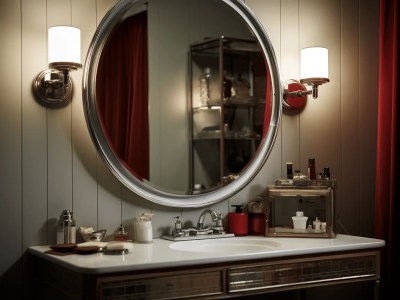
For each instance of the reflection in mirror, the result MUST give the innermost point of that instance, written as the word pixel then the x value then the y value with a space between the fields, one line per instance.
pixel 229 116
pixel 142 90
pixel 142 93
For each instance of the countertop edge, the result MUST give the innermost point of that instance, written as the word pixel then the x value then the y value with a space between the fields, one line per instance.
pixel 368 244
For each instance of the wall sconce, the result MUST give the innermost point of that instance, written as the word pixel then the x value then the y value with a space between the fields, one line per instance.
pixel 313 72
pixel 53 86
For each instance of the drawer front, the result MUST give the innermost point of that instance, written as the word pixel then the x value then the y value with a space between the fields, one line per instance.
pixel 302 272
pixel 162 287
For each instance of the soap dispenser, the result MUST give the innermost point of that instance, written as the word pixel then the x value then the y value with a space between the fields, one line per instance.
pixel 238 221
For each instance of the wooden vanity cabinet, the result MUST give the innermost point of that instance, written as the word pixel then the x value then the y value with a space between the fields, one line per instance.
pixel 268 277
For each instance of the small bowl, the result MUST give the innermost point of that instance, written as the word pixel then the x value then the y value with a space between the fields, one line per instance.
pixel 96 236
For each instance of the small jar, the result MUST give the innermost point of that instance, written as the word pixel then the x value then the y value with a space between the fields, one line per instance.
pixel 299 221
pixel 144 231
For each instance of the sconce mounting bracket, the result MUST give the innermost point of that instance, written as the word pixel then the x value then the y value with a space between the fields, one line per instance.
pixel 51 90
pixel 294 95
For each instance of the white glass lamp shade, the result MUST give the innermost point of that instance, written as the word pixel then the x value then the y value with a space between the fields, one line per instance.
pixel 314 63
pixel 64 45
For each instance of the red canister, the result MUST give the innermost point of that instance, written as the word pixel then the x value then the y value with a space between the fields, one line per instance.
pixel 238 221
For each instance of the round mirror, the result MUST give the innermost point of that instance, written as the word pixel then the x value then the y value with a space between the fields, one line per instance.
pixel 182 98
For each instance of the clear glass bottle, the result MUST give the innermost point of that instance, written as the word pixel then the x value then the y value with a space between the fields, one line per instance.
pixel 205 79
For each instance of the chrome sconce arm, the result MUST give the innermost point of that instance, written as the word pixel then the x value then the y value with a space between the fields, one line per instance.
pixel 314 82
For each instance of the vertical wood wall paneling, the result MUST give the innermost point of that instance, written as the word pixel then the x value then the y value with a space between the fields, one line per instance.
pixel 10 135
pixel 84 184
pixel 320 136
pixel 109 188
pixel 350 116
pixel 59 138
pixel 34 124
pixel 269 15
pixel 290 69
pixel 154 92
pixel 320 128
pixel 369 60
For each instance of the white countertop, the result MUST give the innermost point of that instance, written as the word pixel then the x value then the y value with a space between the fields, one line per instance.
pixel 159 254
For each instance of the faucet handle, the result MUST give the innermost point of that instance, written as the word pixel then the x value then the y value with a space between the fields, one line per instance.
pixel 178 221
pixel 177 231
pixel 177 218
pixel 219 221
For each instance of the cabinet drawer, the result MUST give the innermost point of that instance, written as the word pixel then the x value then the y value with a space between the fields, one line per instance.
pixel 161 287
pixel 303 272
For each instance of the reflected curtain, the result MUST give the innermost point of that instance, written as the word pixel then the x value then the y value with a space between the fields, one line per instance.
pixel 268 99
pixel 122 93
pixel 387 199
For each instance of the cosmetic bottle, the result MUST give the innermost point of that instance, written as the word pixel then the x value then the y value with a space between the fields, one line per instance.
pixel 327 174
pixel 299 222
pixel 289 170
pixel 256 211
pixel 238 221
pixel 66 228
pixel 317 225
pixel 311 169
pixel 120 234
pixel 205 86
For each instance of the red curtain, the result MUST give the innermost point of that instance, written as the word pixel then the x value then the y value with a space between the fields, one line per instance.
pixel 387 200
pixel 268 108
pixel 122 93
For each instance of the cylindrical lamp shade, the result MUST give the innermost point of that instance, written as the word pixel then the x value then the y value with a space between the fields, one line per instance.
pixel 314 63
pixel 64 44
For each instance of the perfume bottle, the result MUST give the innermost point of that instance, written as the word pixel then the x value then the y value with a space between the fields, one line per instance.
pixel 205 79
pixel 311 169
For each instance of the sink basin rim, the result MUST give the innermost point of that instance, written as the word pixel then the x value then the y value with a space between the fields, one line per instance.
pixel 227 245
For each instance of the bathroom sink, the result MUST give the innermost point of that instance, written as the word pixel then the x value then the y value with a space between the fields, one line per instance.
pixel 227 245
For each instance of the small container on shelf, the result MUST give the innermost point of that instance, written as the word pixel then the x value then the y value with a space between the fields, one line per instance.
pixel 299 222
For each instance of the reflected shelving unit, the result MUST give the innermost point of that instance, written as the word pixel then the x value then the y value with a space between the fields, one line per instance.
pixel 226 108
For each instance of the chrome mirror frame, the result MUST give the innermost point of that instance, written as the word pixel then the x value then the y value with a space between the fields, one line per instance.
pixel 113 17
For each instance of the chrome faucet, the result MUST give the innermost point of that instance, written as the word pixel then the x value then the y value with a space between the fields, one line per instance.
pixel 214 216
pixel 178 233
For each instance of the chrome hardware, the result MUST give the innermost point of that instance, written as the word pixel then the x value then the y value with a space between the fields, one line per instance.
pixel 177 231
pixel 200 232
pixel 213 214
